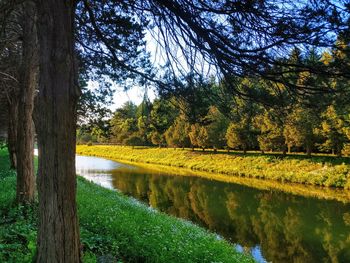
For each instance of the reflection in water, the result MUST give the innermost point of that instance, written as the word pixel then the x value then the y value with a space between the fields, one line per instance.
pixel 271 225
pixel 97 170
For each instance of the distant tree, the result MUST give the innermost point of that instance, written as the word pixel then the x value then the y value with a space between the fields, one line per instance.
pixel 199 136
pixel 194 134
pixel 133 140
pixel 241 132
pixel 241 135
pixel 157 138
pixel 299 128
pixel 177 134
pixel 271 127
pixel 143 115
pixel 163 114
pixel 217 128
pixel 144 128
pixel 124 122
pixel 194 96
pixel 333 129
pixel 100 134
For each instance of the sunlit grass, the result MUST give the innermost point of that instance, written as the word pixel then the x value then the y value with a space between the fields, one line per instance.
pixel 141 234
pixel 318 170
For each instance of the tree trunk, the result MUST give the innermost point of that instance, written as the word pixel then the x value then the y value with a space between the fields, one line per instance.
pixel 308 151
pixel 289 149
pixel 284 151
pixel 338 151
pixel 244 149
pixel 12 129
pixel 55 120
pixel 25 131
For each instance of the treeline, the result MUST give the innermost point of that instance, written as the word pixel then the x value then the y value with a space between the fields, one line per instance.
pixel 205 115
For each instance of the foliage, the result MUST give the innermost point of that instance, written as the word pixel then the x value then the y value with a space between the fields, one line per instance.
pixel 300 128
pixel 162 116
pixel 199 136
pixel 177 134
pixel 240 136
pixel 204 113
pixel 157 138
pixel 124 122
pixel 332 128
pixel 217 128
pixel 133 140
pixel 271 128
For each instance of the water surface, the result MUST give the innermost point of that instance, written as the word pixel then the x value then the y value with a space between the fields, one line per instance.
pixel 271 225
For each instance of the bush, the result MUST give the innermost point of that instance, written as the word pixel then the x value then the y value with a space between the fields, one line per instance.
pixel 133 140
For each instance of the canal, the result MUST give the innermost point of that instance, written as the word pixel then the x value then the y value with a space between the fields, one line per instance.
pixel 272 225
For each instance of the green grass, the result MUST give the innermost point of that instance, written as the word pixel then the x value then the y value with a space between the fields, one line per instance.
pixel 318 170
pixel 112 226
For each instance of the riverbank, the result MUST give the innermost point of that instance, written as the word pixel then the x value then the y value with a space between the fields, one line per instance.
pixel 326 171
pixel 112 226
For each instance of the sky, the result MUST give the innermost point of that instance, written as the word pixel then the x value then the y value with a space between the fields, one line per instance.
pixel 136 93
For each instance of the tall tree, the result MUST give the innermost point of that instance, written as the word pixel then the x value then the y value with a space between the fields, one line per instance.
pixel 217 128
pixel 271 125
pixel 124 122
pixel 199 136
pixel 300 128
pixel 177 134
pixel 10 59
pixel 12 104
pixel 55 120
pixel 27 87
pixel 162 116
pixel 333 129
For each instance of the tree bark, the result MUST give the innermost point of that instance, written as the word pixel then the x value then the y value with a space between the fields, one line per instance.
pixel 27 85
pixel 55 120
pixel 308 150
pixel 284 151
pixel 12 129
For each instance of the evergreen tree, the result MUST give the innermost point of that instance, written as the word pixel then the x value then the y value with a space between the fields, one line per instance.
pixel 162 115
pixel 333 129
pixel 271 127
pixel 157 138
pixel 124 122
pixel 203 138
pixel 299 129
pixel 199 136
pixel 217 128
pixel 177 133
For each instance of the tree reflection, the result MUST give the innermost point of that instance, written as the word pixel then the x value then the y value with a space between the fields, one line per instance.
pixel 288 228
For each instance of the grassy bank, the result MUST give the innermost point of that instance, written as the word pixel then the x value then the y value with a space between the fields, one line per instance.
pixel 113 227
pixel 318 170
